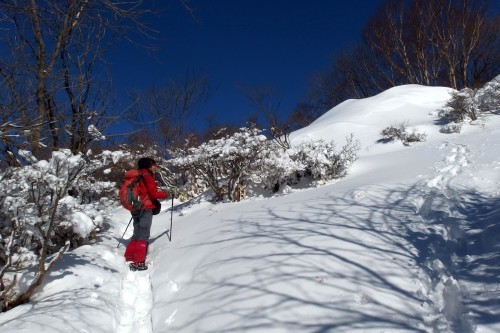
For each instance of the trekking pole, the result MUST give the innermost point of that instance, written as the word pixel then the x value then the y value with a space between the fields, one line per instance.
pixel 119 242
pixel 164 183
pixel 171 219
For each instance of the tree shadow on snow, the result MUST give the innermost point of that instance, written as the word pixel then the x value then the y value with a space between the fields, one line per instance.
pixel 68 308
pixel 478 250
pixel 462 241
pixel 61 312
pixel 346 263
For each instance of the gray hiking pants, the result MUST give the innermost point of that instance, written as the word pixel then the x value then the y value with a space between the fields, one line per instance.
pixel 142 224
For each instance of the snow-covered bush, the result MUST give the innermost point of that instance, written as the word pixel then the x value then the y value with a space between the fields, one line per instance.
pixel 489 96
pixel 470 104
pixel 228 165
pixel 104 172
pixel 451 128
pixel 223 165
pixel 39 221
pixel 277 167
pixel 321 160
pixel 413 136
pixel 462 106
pixel 102 175
pixel 402 133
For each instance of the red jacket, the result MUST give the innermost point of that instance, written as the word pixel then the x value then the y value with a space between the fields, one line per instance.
pixel 146 187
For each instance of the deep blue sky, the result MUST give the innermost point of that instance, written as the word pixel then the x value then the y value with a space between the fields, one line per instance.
pixel 244 42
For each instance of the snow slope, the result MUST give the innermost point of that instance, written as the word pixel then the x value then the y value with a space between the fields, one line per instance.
pixel 407 242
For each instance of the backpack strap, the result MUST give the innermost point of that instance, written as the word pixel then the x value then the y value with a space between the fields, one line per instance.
pixel 134 182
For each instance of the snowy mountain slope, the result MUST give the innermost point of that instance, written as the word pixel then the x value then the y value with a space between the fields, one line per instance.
pixel 365 118
pixel 407 242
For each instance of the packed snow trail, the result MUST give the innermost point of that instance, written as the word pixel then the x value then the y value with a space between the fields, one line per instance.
pixel 137 300
pixel 136 293
pixel 436 205
pixel 136 297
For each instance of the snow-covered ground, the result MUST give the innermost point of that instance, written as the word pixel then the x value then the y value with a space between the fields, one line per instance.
pixel 409 241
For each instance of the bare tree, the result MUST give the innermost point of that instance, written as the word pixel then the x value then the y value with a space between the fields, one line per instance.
pixel 302 115
pixel 54 56
pixel 267 101
pixel 430 42
pixel 215 130
pixel 168 114
pixel 355 73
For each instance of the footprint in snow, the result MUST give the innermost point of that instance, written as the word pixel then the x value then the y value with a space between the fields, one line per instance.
pixel 362 299
pixel 358 195
pixel 137 300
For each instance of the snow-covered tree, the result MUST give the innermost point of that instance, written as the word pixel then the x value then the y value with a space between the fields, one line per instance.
pixel 462 106
pixel 488 96
pixel 470 104
pixel 39 221
pixel 224 165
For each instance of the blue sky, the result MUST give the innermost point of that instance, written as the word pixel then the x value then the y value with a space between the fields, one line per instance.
pixel 244 42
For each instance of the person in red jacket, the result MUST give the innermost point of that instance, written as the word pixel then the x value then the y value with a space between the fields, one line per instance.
pixel 148 192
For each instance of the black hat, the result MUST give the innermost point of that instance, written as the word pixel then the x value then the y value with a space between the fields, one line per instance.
pixel 145 163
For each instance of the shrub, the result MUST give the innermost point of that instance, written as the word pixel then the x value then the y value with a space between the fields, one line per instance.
pixel 400 132
pixel 276 167
pixel 488 96
pixel 414 136
pixel 39 222
pixel 393 132
pixel 470 104
pixel 322 161
pixel 228 165
pixel 462 106
pixel 223 165
pixel 451 128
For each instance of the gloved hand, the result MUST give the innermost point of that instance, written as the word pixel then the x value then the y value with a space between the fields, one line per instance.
pixel 173 192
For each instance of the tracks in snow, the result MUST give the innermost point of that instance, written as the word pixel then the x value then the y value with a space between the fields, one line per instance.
pixel 137 302
pixel 437 204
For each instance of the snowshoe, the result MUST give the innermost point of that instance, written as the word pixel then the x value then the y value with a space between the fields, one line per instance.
pixel 141 266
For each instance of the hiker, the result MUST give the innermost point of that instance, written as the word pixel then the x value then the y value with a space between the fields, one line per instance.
pixel 149 195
